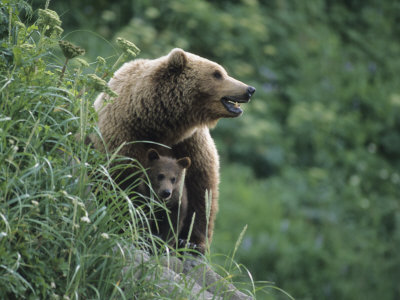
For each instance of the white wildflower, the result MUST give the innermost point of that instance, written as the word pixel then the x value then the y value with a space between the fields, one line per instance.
pixel 105 236
pixel 85 219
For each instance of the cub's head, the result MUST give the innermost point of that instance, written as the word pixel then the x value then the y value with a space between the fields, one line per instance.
pixel 165 173
pixel 211 91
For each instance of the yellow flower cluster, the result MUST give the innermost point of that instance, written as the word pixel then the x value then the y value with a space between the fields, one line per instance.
pixel 70 50
pixel 128 47
pixel 50 21
pixel 101 85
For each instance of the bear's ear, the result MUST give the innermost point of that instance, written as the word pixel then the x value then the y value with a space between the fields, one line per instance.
pixel 152 154
pixel 177 60
pixel 184 162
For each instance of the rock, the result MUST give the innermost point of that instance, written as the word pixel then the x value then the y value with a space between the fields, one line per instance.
pixel 192 277
pixel 216 284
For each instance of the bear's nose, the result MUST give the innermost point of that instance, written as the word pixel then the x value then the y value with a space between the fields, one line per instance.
pixel 251 90
pixel 165 194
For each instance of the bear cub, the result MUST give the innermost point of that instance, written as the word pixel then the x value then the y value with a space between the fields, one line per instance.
pixel 165 176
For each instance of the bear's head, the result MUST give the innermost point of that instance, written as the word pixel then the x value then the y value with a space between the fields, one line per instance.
pixel 210 91
pixel 165 174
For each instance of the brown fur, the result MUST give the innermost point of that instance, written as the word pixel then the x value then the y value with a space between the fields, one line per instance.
pixel 173 100
pixel 165 175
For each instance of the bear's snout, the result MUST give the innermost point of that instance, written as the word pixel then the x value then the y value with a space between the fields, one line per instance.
pixel 166 194
pixel 250 91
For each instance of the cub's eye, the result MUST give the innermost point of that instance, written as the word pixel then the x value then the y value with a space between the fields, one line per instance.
pixel 217 74
pixel 160 177
pixel 173 179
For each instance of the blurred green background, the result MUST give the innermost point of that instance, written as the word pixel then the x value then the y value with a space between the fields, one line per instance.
pixel 313 165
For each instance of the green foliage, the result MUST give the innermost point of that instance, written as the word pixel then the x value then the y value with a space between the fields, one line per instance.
pixel 330 214
pixel 311 246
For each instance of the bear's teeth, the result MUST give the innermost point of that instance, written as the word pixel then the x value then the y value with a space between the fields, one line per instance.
pixel 236 104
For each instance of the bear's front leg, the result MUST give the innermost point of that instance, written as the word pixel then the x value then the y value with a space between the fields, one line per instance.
pixel 202 175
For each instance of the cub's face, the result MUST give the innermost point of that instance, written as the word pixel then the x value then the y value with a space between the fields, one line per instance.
pixel 164 178
pixel 165 174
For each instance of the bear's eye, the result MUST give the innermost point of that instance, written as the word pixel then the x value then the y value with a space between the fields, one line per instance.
pixel 173 179
pixel 160 177
pixel 217 74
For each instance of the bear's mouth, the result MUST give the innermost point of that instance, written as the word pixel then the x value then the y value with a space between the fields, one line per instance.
pixel 232 104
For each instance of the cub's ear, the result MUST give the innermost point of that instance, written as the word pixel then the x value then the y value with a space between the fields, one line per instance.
pixel 152 154
pixel 184 162
pixel 177 60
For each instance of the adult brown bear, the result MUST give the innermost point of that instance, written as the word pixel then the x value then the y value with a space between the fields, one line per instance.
pixel 174 100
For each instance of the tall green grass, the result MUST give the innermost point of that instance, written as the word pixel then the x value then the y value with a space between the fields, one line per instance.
pixel 67 231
